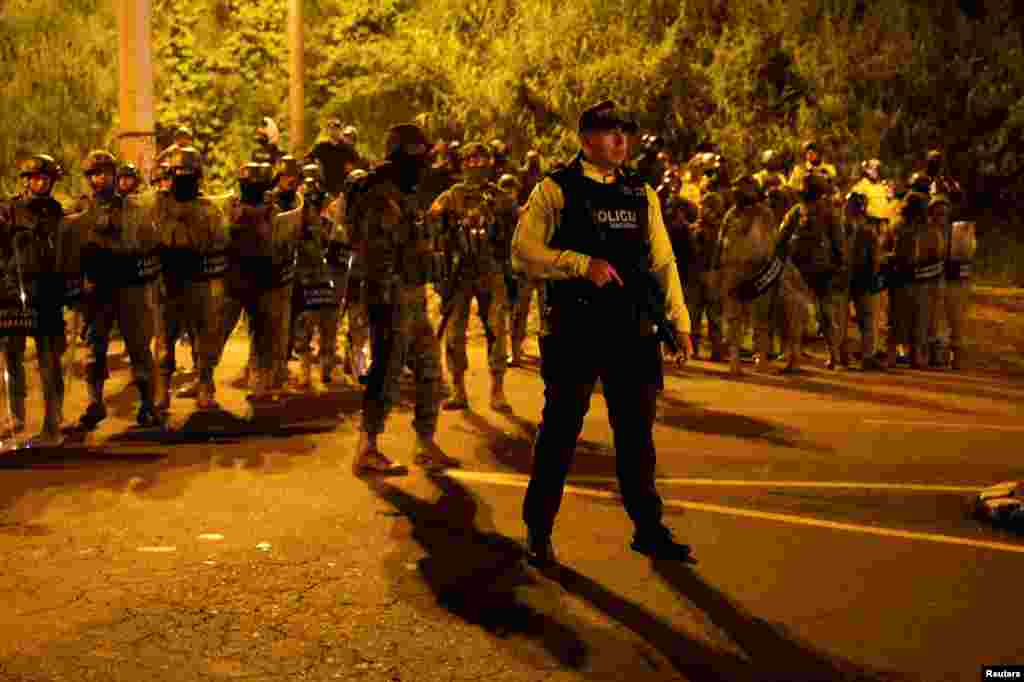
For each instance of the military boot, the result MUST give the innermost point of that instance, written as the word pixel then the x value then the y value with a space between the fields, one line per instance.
pixel 147 417
pixel 499 402
pixel 305 381
pixel 96 411
pixel 370 461
pixel 431 457
pixel 459 399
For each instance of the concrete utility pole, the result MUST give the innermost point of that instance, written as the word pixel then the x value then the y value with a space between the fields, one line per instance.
pixel 296 68
pixel 137 137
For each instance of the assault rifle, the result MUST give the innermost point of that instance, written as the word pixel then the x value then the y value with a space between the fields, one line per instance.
pixel 448 304
pixel 652 302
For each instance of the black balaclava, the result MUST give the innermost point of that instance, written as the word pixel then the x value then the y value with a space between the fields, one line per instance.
pixel 253 193
pixel 185 187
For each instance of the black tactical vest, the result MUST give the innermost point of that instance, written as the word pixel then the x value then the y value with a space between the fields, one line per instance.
pixel 607 221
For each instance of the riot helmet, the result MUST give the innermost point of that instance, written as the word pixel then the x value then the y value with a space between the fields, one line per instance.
pixel 920 182
pixel 128 178
pixel 186 168
pixel 856 204
pixel 100 168
pixel 509 184
pixel 40 172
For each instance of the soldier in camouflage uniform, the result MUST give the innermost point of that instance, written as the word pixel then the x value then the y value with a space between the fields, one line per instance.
pixel 816 244
pixel 349 267
pixel 479 221
pixel 192 243
pixel 701 286
pixel 38 252
pixel 286 198
pixel 254 276
pixel 746 247
pixel 387 216
pixel 120 266
pixel 919 258
pixel 128 179
pixel 318 298
pixel 863 234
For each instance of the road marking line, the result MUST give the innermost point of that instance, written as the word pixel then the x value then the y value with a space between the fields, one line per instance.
pixel 747 483
pixel 520 482
pixel 945 425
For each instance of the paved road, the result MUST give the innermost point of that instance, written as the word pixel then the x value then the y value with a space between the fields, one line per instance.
pixel 828 514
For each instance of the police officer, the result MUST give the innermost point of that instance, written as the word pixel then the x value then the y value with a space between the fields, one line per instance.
pixel 336 155
pixel 864 237
pixel 702 286
pixel 391 234
pixel 479 220
pixel 870 185
pixel 193 263
pixel 592 230
pixel 250 279
pixel 817 247
pixel 318 300
pixel 286 198
pixel 37 251
pixel 119 267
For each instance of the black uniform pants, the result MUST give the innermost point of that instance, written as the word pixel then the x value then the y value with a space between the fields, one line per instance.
pixel 631 376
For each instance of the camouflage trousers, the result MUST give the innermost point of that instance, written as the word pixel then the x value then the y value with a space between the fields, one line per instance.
pixel 911 310
pixel 307 324
pixel 134 311
pixel 521 313
pixel 401 334
pixel 703 300
pixel 950 303
pixel 865 307
pixel 489 292
pixel 197 306
pixel 49 351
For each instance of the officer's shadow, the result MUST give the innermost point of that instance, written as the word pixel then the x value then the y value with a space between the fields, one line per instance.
pixel 476 574
pixel 771 652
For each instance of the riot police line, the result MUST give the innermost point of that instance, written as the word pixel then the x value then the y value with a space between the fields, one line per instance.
pixel 762 250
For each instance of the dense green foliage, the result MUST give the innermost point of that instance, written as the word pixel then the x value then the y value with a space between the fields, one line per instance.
pixel 883 78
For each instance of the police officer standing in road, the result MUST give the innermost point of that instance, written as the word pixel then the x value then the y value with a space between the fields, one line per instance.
pixel 593 231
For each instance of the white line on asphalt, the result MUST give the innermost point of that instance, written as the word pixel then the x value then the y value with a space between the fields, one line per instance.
pixel 521 481
pixel 749 483
pixel 946 425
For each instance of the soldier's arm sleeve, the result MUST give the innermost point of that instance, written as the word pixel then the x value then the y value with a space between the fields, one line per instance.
pixel 531 253
pixel 663 265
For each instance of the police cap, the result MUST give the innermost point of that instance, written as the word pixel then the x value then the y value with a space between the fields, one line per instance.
pixel 602 116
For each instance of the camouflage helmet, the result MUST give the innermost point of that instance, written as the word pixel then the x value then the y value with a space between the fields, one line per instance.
pixel 476 149
pixel 498 148
pixel 406 141
pixel 185 161
pixel 287 165
pixel 920 182
pixel 99 161
pixel 255 172
pixel 313 173
pixel 509 183
pixel 128 170
pixel 43 164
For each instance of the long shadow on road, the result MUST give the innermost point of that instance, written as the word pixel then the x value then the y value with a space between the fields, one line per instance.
pixel 831 390
pixel 475 574
pixel 773 654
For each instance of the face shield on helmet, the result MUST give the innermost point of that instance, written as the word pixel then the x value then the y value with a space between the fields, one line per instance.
pixel 39 173
pixel 254 181
pixel 186 169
